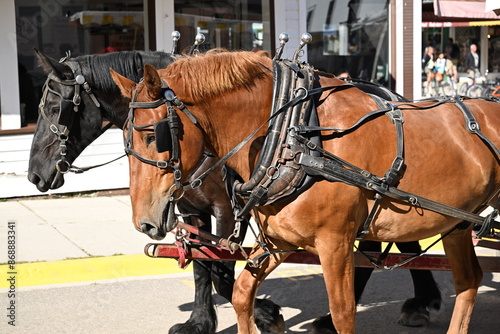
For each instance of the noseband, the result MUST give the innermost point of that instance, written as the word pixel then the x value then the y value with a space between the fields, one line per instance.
pixel 66 115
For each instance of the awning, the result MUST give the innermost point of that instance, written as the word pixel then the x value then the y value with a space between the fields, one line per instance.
pixel 447 24
pixel 470 9
pixel 97 18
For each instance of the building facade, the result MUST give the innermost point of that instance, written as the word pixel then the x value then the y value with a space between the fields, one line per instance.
pixel 375 40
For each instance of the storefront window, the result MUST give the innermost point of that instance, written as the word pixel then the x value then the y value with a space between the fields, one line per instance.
pixel 464 37
pixel 233 25
pixel 78 26
pixel 350 36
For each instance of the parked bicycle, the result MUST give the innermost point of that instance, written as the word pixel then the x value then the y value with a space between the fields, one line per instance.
pixel 441 86
pixel 443 79
pixel 481 87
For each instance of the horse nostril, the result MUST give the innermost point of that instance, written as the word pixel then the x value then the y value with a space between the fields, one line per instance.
pixel 34 178
pixel 147 228
pixel 152 231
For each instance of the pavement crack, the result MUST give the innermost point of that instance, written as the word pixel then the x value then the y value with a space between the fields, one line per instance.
pixel 55 228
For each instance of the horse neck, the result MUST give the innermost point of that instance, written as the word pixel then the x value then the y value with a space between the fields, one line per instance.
pixel 114 106
pixel 228 120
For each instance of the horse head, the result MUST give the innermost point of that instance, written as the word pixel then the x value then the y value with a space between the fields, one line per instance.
pixel 154 190
pixel 69 120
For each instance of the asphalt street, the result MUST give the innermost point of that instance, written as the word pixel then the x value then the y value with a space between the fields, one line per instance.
pixel 153 304
pixel 69 279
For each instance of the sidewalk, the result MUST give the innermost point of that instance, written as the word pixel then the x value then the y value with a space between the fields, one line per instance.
pixel 74 239
pixel 58 228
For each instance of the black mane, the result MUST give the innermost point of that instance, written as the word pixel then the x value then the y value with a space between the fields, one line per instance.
pixel 130 64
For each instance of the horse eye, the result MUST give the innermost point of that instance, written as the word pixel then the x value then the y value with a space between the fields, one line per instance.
pixel 55 110
pixel 150 138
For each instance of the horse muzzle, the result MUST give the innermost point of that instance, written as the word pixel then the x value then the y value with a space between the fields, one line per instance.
pixel 154 231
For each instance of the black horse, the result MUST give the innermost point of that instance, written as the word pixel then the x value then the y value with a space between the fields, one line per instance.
pixel 84 84
pixel 62 130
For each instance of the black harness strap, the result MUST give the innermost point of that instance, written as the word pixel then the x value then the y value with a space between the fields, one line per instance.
pixel 335 169
pixel 393 174
pixel 472 125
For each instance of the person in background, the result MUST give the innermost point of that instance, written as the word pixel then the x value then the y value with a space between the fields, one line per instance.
pixel 428 63
pixel 472 62
pixel 440 67
pixel 451 70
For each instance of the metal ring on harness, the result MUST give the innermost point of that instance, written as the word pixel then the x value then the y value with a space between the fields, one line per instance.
pixel 296 92
pixel 62 166
pixel 273 172
pixel 171 191
pixel 196 183
pixel 148 251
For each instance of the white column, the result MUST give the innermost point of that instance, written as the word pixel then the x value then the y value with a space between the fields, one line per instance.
pixel 483 50
pixel 399 49
pixel 417 49
pixel 9 80
pixel 290 16
pixel 165 24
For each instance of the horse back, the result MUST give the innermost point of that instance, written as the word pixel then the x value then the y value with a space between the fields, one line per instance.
pixel 443 161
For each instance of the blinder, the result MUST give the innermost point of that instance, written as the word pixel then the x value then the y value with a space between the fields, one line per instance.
pixel 163 136
pixel 66 114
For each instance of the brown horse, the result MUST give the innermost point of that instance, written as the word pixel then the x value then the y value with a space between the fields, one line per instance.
pixel 230 95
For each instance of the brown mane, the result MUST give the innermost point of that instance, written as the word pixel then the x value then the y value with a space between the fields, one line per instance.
pixel 214 73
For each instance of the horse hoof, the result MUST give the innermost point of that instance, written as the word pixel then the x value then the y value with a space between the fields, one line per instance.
pixel 191 328
pixel 268 317
pixel 414 312
pixel 323 325
pixel 419 318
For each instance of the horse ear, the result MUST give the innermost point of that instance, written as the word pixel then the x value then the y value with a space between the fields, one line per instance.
pixel 152 81
pixel 50 65
pixel 126 86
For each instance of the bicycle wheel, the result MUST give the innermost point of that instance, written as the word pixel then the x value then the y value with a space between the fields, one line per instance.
pixel 475 91
pixel 487 93
pixel 463 89
pixel 447 89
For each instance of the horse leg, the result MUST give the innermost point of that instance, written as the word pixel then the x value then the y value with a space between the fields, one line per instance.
pixel 203 319
pixel 324 325
pixel 245 290
pixel 467 276
pixel 337 262
pixel 267 313
pixel 414 312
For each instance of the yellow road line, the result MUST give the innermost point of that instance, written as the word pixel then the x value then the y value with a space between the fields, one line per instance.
pixel 87 269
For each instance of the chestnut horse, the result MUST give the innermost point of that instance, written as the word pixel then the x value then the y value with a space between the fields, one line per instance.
pixel 201 205
pixel 230 95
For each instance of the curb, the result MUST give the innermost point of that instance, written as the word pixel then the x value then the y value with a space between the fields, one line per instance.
pixel 85 269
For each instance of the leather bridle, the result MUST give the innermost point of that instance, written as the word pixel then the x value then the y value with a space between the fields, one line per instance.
pixel 66 114
pixel 165 130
